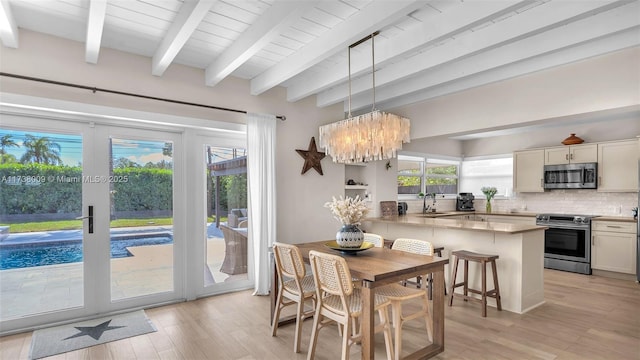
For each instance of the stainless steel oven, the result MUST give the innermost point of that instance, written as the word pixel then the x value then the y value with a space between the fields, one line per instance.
pixel 567 242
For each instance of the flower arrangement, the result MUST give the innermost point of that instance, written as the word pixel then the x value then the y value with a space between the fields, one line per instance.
pixel 489 192
pixel 349 211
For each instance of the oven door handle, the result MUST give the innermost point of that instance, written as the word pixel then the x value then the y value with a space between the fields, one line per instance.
pixel 569 227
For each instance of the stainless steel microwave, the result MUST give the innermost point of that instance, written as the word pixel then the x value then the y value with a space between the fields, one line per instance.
pixel 571 176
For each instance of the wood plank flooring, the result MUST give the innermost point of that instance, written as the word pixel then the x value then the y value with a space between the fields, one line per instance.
pixel 584 317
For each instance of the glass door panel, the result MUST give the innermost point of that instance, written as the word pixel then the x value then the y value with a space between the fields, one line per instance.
pixel 227 217
pixel 141 217
pixel 41 239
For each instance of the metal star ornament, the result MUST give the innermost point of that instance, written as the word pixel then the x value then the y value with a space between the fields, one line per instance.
pixel 311 157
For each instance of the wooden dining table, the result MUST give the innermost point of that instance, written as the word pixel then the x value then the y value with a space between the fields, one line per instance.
pixel 381 266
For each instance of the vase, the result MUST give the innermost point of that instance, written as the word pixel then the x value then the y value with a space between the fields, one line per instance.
pixel 349 236
pixel 488 206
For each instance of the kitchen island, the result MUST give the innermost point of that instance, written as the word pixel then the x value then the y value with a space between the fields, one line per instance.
pixel 520 247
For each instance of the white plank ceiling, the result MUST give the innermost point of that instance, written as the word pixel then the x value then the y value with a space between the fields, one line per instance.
pixel 424 49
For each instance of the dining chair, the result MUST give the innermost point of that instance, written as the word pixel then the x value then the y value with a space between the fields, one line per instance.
pixel 337 300
pixel 375 239
pixel 295 287
pixel 398 294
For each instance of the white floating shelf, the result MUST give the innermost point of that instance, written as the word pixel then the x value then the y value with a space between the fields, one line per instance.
pixel 356 187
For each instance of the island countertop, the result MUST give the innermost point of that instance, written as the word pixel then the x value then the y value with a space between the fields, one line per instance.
pixel 448 223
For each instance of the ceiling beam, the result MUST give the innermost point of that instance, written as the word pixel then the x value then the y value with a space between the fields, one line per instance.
pixel 373 17
pixel 191 13
pixel 552 15
pixel 463 17
pixel 268 27
pixel 601 46
pixel 95 25
pixel 8 27
pixel 620 23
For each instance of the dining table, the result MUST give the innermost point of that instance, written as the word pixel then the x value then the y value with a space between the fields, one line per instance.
pixel 382 266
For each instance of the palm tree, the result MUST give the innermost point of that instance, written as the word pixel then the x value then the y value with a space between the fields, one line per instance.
pixel 41 151
pixel 5 142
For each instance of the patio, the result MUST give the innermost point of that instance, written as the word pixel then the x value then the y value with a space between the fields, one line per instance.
pixel 47 288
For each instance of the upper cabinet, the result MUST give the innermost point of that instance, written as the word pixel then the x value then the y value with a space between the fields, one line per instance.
pixel 528 168
pixel 571 154
pixel 618 166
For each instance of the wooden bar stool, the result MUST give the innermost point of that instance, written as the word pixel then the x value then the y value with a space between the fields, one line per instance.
pixel 483 260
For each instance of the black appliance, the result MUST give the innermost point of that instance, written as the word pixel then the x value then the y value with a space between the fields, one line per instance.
pixel 567 242
pixel 571 176
pixel 464 202
pixel 402 208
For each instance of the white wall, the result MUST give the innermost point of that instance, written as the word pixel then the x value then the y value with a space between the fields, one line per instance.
pixel 301 216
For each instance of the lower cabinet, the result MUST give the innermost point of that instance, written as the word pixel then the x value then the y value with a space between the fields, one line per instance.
pixel 613 246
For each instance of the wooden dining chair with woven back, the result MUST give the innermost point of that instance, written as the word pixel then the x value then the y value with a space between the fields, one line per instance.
pixel 399 294
pixel 295 287
pixel 339 301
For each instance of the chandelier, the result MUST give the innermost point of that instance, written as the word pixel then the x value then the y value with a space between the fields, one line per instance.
pixel 376 135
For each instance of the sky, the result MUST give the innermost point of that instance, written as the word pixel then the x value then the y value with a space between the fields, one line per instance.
pixel 138 151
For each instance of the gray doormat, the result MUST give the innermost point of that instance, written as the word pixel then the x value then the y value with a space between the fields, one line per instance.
pixel 61 339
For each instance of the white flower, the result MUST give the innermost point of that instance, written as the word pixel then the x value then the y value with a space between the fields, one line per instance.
pixel 489 192
pixel 349 211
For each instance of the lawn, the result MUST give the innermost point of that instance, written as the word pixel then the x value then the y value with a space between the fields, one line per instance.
pixel 77 224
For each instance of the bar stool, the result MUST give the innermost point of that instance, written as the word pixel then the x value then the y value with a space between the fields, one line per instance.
pixel 483 260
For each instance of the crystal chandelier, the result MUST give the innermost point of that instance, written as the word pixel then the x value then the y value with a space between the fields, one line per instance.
pixel 376 135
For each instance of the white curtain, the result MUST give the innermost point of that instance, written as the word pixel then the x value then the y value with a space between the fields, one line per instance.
pixel 261 178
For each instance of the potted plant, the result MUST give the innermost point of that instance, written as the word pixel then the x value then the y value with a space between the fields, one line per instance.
pixel 350 212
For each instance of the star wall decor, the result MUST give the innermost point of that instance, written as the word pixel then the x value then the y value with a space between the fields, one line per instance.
pixel 94 331
pixel 311 157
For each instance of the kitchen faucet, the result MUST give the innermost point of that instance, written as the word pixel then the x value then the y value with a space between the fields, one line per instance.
pixel 426 207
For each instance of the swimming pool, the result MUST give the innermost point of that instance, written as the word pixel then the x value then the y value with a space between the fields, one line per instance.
pixel 30 255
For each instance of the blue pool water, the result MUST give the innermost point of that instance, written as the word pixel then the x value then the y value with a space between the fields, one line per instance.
pixel 30 255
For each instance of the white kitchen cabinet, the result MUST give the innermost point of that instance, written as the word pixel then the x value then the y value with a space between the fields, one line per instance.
pixel 618 166
pixel 528 166
pixel 571 154
pixel 613 246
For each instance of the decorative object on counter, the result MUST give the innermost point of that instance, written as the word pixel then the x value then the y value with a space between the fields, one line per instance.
pixel 389 208
pixel 311 157
pixel 489 192
pixel 376 135
pixel 349 211
pixel 572 140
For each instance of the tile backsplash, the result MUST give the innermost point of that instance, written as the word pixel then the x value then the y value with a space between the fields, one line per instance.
pixel 583 202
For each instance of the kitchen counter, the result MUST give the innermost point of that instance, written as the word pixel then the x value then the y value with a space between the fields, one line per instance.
pixel 520 248
pixel 442 221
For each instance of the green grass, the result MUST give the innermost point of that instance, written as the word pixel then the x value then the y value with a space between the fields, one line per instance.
pixel 77 224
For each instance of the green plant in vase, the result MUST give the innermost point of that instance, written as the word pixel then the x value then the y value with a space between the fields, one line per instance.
pixel 489 192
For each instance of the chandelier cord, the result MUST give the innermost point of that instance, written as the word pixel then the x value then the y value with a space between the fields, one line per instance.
pixel 373 71
pixel 349 61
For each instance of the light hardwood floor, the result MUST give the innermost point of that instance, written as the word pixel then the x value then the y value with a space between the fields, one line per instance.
pixel 584 317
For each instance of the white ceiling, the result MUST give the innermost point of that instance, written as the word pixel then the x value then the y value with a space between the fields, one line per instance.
pixel 425 49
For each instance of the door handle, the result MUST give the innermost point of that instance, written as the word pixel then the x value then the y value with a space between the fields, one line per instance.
pixel 90 217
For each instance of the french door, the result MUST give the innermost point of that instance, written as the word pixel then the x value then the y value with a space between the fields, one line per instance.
pixel 92 213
